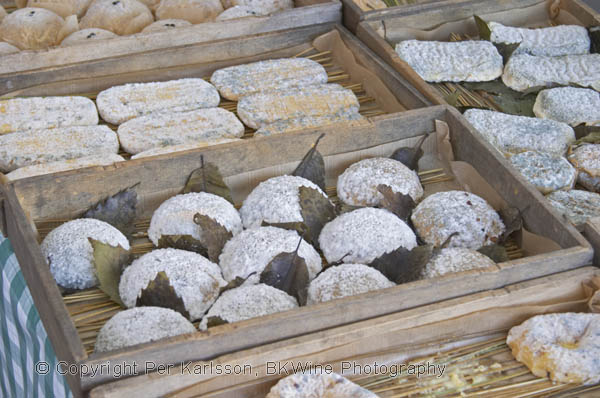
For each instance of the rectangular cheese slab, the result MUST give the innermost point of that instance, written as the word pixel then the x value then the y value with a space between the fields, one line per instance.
pixel 524 72
pixel 308 122
pixel 27 148
pixel 512 134
pixel 261 109
pixel 166 129
pixel 121 103
pixel 463 61
pixel 571 105
pixel 38 113
pixel 552 42
pixel 237 81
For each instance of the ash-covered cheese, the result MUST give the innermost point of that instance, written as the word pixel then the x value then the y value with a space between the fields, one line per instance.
pixel 321 385
pixel 167 129
pixel 586 159
pixel 349 119
pixel 553 41
pixel 261 109
pixel 249 301
pixel 434 61
pixel 64 165
pixel 523 72
pixel 250 251
pixel 38 113
pixel 87 35
pixel 166 24
pixel 182 147
pixel 238 81
pixel 27 148
pixel 562 347
pixel 569 105
pixel 548 173
pixel 121 103
pixel 455 259
pixel 70 254
pixel 175 216
pixel 237 12
pixel 512 134
pixel 357 185
pixel 345 280
pixel 141 325
pixel 363 235
pixel 276 200
pixel 122 17
pixel 576 205
pixel 264 7
pixel 195 279
pixel 443 213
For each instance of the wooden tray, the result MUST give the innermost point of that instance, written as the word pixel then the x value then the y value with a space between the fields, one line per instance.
pixel 472 328
pixel 355 11
pixel 305 13
pixel 425 23
pixel 245 164
pixel 436 23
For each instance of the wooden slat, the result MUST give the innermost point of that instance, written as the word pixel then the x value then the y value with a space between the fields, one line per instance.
pixel 592 233
pixel 42 286
pixel 406 331
pixel 308 12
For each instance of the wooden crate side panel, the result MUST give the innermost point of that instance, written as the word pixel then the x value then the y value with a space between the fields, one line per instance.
pixel 41 284
pixel 406 330
pixel 312 12
pixel 592 233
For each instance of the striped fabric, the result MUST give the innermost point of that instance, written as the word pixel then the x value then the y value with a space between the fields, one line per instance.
pixel 24 344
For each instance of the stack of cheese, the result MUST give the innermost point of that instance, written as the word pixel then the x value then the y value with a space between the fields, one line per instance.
pixel 52 134
pixel 282 95
pixel 40 24
pixel 548 57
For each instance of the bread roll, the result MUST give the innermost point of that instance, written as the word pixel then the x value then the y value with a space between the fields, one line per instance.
pixel 36 28
pixel 87 35
pixel 123 17
pixel 194 11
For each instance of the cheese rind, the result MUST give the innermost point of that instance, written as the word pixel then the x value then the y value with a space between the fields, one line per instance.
pixel 122 103
pixel 512 134
pixel 308 122
pixel 546 172
pixel 238 81
pixel 166 129
pixel 569 105
pixel 44 146
pixel 38 113
pixel 523 72
pixel 264 108
pixel 470 61
pixel 553 41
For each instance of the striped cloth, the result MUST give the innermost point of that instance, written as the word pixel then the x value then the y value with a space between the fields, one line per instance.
pixel 24 344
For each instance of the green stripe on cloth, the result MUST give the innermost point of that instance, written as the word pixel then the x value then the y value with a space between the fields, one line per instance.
pixel 23 340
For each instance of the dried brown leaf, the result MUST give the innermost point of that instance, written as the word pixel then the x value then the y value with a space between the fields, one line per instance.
pixel 496 252
pixel 316 210
pixel 485 32
pixel 410 156
pixel 513 221
pixel 213 321
pixel 214 234
pixel 207 178
pixel 402 265
pixel 396 202
pixel 109 262
pixel 288 272
pixel 118 210
pixel 160 293
pixel 312 166
pixel 183 242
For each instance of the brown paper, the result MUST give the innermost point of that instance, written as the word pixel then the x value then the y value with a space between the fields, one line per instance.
pixel 592 290
pixel 543 14
pixel 372 85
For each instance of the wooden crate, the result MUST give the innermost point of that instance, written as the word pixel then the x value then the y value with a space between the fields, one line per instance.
pixel 437 22
pixel 355 11
pixel 456 16
pixel 245 164
pixel 305 13
pixel 418 333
